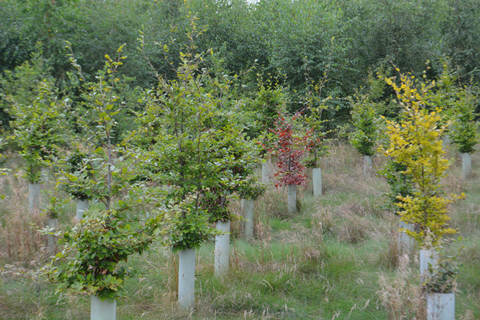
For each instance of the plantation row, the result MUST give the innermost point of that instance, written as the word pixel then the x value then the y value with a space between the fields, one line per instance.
pixel 172 177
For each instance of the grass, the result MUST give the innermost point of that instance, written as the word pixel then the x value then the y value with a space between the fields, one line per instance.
pixel 335 259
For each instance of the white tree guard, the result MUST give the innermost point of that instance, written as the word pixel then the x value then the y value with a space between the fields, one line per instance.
pixel 466 165
pixel 446 140
pixel 317 182
pixel 405 242
pixel 249 207
pixel 265 176
pixel 427 257
pixel 222 248
pixel 292 198
pixel 33 197
pixel 102 310
pixel 82 206
pixel 52 226
pixel 367 166
pixel 441 306
pixel 186 278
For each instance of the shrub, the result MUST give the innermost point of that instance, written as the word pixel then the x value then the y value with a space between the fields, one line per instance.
pixel 289 149
pixel 92 252
pixel 39 117
pixel 196 146
pixel 415 144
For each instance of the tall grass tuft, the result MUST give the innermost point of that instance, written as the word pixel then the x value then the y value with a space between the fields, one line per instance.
pixel 20 242
pixel 402 295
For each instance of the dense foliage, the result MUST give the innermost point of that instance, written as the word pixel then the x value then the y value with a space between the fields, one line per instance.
pixel 366 120
pixel 160 157
pixel 414 143
pixel 38 114
pixel 289 148
pixel 459 102
pixel 127 223
pixel 347 38
pixel 400 183
pixel 191 134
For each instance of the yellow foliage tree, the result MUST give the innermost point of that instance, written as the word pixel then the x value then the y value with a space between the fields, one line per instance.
pixel 415 143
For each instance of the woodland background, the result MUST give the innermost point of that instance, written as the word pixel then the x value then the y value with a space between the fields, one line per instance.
pixel 295 42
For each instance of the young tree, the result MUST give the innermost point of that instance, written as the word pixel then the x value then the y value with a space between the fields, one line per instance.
pixel 464 128
pixel 93 251
pixel 78 176
pixel 289 148
pixel 265 106
pixel 415 144
pixel 39 120
pixel 459 103
pixel 366 110
pixel 365 118
pixel 199 151
pixel 400 185
pixel 315 106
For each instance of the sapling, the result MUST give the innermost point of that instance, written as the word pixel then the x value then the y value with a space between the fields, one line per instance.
pixel 414 143
pixel 235 159
pixel 78 178
pixel 90 261
pixel 440 283
pixel 175 124
pixel 250 191
pixel 463 130
pixel 367 107
pixel 459 103
pixel 52 212
pixel 39 121
pixel 268 102
pixel 400 185
pixel 315 106
pixel 289 148
pixel 199 151
pixel 365 119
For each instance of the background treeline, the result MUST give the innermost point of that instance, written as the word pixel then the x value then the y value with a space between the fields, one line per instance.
pixel 295 42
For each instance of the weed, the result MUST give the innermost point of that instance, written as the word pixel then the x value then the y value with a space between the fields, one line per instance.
pixel 401 295
pixel 20 241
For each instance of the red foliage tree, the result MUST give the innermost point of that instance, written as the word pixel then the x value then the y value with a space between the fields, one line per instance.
pixel 289 149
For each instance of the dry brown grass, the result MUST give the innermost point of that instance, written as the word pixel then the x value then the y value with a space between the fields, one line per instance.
pixel 342 171
pixel 358 222
pixel 20 241
pixel 402 295
pixel 284 257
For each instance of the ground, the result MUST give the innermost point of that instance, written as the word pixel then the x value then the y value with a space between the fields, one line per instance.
pixel 335 259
